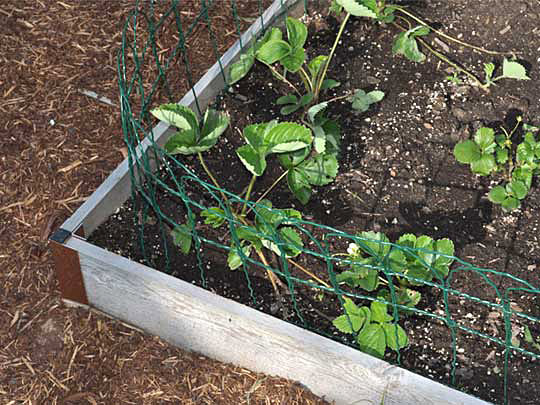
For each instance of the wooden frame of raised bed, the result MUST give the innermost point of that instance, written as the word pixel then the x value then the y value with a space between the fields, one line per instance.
pixel 195 319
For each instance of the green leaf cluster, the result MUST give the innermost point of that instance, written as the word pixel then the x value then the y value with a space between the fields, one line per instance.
pixel 307 167
pixel 421 258
pixel 412 260
pixel 374 328
pixel 489 153
pixel 361 100
pixel 192 137
pixel 270 231
pixel 272 48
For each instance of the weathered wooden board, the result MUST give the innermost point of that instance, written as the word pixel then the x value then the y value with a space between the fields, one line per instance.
pixel 197 320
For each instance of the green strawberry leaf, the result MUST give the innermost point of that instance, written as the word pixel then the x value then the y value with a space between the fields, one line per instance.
pixel 375 244
pixel 214 216
pixel 467 152
pixel 319 170
pixel 355 320
pixel 182 238
pixel 254 161
pixel 178 115
pixel 329 84
pixel 372 340
pixel 484 165
pixel 501 155
pixel 524 175
pixel 489 68
pixel 497 195
pixel 272 51
pixel 296 32
pixel 518 189
pixel 242 67
pixel 291 159
pixel 354 8
pixel 287 137
pixel 291 242
pixel 287 99
pixel 294 60
pixel 361 100
pixel 379 312
pixel 514 70
pixel 484 138
pixel 405 44
pixel 510 204
pixel 315 66
pixel 396 337
pixel 234 260
pixel 299 185
pixel 214 125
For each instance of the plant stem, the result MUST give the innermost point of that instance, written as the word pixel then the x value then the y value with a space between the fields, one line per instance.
pixel 445 59
pixel 448 37
pixel 306 80
pixel 325 69
pixel 209 173
pixel 248 192
pixel 275 183
pixel 348 94
pixel 283 78
pixel 273 278
pixel 313 276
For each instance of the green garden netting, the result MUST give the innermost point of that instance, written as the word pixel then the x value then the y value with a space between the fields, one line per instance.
pixel 166 47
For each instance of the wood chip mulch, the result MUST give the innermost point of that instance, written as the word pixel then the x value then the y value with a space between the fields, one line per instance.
pixel 57 145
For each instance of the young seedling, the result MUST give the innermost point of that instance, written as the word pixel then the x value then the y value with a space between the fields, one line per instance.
pixel 374 328
pixel 193 137
pixel 510 70
pixel 530 339
pixel 489 153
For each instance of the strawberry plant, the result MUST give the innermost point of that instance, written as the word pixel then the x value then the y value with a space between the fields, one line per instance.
pixel 412 260
pixel 289 54
pixel 373 327
pixel 489 153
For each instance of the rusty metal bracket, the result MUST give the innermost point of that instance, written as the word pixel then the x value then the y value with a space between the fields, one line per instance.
pixel 67 268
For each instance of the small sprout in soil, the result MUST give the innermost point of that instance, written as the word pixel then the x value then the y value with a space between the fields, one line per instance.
pixel 489 153
pixel 511 70
pixel 535 342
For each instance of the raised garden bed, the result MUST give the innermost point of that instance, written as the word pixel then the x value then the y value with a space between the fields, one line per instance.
pixel 397 175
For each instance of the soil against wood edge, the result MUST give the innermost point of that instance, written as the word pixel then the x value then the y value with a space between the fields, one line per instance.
pixel 397 175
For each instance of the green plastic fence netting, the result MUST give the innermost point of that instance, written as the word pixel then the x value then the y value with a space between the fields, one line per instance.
pixel 166 47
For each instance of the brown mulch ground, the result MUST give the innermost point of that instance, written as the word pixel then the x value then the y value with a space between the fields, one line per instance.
pixel 57 145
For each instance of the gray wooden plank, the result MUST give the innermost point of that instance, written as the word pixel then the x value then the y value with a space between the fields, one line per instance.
pixel 116 189
pixel 197 320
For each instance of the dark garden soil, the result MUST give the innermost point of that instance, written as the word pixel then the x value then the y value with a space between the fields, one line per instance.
pixel 397 175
